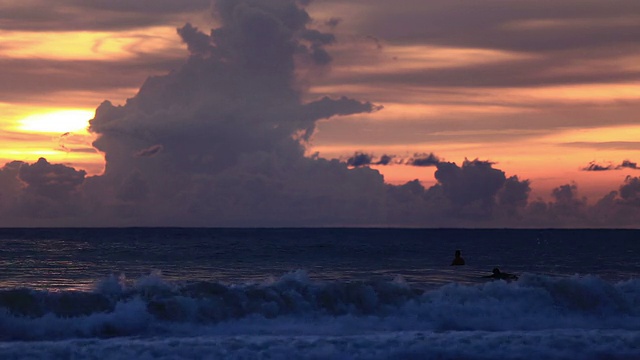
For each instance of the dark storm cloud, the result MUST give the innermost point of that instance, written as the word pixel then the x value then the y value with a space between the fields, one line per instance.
pixel 567 209
pixel 10 185
pixel 593 166
pixel 616 209
pixel 359 159
pixel 619 208
pixel 423 160
pixel 626 164
pixel 50 180
pixel 630 190
pixel 327 107
pixel 133 188
pixel 385 160
pixel 362 159
pixel 568 206
pixel 232 124
pixel 565 193
pixel 475 181
pixel 514 193
pixel 152 150
pixel 50 191
pixel 474 194
pixel 197 42
pixel 318 38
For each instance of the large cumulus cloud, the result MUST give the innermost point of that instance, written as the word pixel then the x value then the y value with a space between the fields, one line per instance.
pixel 220 141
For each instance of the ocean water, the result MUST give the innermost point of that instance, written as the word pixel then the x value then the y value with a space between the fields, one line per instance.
pixel 169 293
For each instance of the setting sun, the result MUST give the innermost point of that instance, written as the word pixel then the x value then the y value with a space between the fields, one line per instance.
pixel 60 121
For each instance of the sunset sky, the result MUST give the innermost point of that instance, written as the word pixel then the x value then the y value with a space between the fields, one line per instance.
pixel 548 91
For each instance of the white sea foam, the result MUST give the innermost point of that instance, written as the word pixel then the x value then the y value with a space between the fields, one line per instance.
pixel 297 305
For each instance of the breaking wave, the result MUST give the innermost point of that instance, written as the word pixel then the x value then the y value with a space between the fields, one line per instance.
pixel 294 304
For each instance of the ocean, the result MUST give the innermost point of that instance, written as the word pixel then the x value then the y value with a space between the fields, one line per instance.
pixel 177 293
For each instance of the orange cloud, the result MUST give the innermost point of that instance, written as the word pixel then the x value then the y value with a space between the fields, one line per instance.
pixel 88 45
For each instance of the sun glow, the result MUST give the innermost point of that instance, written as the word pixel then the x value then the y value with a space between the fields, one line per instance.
pixel 60 121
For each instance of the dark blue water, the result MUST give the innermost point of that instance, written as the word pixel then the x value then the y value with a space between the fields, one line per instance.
pixel 318 293
pixel 76 258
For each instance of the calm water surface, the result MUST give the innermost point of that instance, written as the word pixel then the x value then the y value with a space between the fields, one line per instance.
pixel 77 258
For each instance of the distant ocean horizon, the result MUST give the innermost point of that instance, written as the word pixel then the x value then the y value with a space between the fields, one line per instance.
pixel 319 293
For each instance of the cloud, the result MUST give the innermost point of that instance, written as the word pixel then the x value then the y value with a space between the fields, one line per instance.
pixel 360 159
pixel 423 160
pixel 619 208
pixel 46 191
pixel 197 42
pixel 220 141
pixel 565 193
pixel 21 84
pixel 75 15
pixel 442 48
pixel 626 164
pixel 152 150
pixel 567 205
pixel 597 167
pixel 144 6
pixel 471 188
pixel 49 180
pixel 514 193
pixel 232 127
pixel 520 26
pixel 385 160
pixel 364 159
pixel 615 145
pixel 630 190
pixel 10 186
pixel 474 194
pixel 133 188
pixel 326 107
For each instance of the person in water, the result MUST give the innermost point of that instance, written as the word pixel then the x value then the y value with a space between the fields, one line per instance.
pixel 458 260
pixel 497 274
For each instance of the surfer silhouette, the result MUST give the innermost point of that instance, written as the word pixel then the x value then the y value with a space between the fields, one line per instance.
pixel 458 260
pixel 497 274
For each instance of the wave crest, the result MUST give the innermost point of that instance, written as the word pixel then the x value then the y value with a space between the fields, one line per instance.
pixel 119 307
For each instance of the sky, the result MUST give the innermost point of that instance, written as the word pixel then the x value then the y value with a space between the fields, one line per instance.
pixel 420 113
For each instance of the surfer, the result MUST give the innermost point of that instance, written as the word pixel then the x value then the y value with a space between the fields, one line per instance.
pixel 458 260
pixel 497 274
